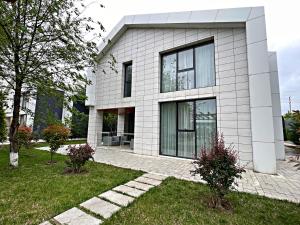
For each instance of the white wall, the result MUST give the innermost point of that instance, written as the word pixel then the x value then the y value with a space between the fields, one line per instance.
pixel 277 116
pixel 262 124
pixel 142 46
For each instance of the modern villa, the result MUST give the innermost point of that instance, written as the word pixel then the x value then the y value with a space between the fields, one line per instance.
pixel 181 77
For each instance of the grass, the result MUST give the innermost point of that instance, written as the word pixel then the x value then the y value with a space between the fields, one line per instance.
pixel 178 202
pixel 36 191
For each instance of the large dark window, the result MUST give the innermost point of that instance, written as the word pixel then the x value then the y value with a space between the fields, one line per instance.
pixel 187 126
pixel 189 68
pixel 127 79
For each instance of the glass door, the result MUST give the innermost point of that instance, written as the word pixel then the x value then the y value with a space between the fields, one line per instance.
pixel 186 129
pixel 187 126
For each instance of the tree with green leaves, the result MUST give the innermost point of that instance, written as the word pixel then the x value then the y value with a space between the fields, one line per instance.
pixel 110 119
pixel 293 128
pixel 3 131
pixel 48 45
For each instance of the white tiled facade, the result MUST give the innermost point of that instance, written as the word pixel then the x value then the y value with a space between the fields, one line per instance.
pixel 240 106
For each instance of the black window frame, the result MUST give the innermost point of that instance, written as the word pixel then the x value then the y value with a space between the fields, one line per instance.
pixel 180 49
pixel 125 65
pixel 185 130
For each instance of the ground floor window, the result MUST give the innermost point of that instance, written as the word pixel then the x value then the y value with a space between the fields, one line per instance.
pixel 187 126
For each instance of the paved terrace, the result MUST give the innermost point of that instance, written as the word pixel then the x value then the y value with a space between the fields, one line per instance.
pixel 284 185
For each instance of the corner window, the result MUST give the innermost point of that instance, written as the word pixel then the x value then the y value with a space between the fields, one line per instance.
pixel 127 79
pixel 189 68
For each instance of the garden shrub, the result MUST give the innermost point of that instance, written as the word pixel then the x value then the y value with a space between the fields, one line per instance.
pixel 56 136
pixel 217 165
pixel 78 156
pixel 24 136
pixel 293 126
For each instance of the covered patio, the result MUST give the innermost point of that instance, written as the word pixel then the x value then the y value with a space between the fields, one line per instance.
pixel 117 128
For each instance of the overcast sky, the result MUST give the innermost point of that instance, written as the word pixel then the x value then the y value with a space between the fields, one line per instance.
pixel 283 30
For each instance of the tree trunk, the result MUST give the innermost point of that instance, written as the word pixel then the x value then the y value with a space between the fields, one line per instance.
pixel 51 156
pixel 14 148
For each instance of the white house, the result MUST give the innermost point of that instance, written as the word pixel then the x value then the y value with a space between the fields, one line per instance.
pixel 182 76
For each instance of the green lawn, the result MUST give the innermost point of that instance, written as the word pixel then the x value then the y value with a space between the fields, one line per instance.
pixel 36 191
pixel 178 202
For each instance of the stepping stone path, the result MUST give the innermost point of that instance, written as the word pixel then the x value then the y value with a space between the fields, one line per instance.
pixel 75 216
pixel 46 223
pixel 101 207
pixel 107 203
pixel 138 185
pixel 129 191
pixel 148 181
pixel 117 198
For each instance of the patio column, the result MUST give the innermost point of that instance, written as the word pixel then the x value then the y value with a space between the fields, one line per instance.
pixel 95 127
pixel 121 121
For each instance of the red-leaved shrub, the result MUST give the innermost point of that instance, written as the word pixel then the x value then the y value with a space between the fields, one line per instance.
pixel 55 135
pixel 24 136
pixel 78 156
pixel 218 166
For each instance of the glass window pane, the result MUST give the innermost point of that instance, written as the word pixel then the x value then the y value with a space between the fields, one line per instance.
pixel 168 129
pixel 169 73
pixel 186 144
pixel 205 65
pixel 186 80
pixel 186 116
pixel 128 80
pixel 185 59
pixel 206 122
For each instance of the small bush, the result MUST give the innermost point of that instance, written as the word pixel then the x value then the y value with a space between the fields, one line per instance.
pixel 24 136
pixel 55 135
pixel 78 156
pixel 217 165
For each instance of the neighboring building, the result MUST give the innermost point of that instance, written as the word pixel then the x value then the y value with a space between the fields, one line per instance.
pixel 27 106
pixel 42 110
pixel 185 75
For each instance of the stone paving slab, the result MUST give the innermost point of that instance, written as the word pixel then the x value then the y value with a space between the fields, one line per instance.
pixel 45 223
pixel 100 207
pixel 148 181
pixel 117 198
pixel 154 176
pixel 138 185
pixel 129 191
pixel 75 216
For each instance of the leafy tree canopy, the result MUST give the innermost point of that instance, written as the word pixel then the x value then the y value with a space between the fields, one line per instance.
pixel 45 45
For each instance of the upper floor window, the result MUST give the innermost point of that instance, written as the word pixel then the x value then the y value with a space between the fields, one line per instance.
pixel 127 79
pixel 189 68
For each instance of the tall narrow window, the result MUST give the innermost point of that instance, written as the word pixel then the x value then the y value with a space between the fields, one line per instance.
pixel 127 79
pixel 205 65
pixel 186 131
pixel 168 73
pixel 168 129
pixel 206 122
